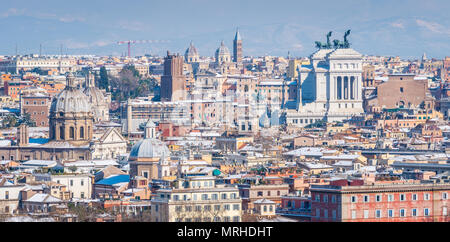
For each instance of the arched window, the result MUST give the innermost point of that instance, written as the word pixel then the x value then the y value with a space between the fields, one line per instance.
pixel 71 132
pixel 82 132
pixel 246 88
pixel 339 87
pixel 61 132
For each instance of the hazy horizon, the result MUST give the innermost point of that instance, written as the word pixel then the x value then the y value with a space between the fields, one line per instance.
pixel 384 28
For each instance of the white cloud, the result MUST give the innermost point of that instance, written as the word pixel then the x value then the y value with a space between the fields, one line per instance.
pixel 433 27
pixel 67 18
pixel 399 25
pixel 73 44
pixel 12 12
pixel 133 25
pixel 297 47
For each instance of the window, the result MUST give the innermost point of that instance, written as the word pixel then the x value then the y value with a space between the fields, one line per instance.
pixel 216 207
pixel 325 213
pixel 82 182
pixel 353 214
pixel 71 182
pixel 175 197
pixel 82 194
pixel 426 196
pixel 401 89
pixel 71 132
pixel 236 219
pixel 390 213
pixel 82 132
pixel 226 207
pixel 325 198
pixel 426 212
pixel 260 194
pixel 444 211
pixel 366 198
pixel 402 197
pixel 378 213
pixel 317 198
pixel 207 208
pixel 6 195
pixel 353 199
pixel 333 199
pixel 61 132
pixel 414 197
pixel 188 208
pixel 178 208
pixel 333 214
pixel 378 198
pixel 235 206
pixel 366 213
pixel 414 212
pixel 402 212
pixel 224 196
pixel 317 212
pixel 444 196
pixel 198 208
pixel 390 198
pixel 204 196
pixel 214 196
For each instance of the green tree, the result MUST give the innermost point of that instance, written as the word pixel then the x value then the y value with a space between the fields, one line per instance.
pixel 10 121
pixel 73 169
pixel 104 80
pixel 27 120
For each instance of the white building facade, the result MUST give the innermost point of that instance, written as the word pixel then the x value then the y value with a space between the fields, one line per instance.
pixel 328 89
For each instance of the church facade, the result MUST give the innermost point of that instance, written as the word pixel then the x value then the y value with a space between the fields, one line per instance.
pixel 71 132
pixel 329 89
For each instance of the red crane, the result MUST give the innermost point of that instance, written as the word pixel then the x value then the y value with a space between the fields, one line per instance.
pixel 129 42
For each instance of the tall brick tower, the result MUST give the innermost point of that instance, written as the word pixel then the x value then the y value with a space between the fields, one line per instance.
pixel 173 84
pixel 237 48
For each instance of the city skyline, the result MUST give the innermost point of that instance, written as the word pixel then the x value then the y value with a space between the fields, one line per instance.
pixel 405 29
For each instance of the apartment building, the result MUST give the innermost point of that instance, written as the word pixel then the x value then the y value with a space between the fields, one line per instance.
pixel 197 199
pixel 408 202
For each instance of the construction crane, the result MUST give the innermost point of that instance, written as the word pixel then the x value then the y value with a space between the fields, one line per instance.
pixel 129 42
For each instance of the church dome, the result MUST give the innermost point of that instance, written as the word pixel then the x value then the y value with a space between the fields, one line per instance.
pixel 222 50
pixel 191 51
pixel 149 148
pixel 95 96
pixel 71 99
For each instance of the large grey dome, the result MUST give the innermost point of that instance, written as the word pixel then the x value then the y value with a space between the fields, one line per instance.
pixel 222 50
pixel 191 51
pixel 95 96
pixel 71 99
pixel 149 148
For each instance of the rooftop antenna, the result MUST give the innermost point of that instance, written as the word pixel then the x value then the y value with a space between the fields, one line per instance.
pixel 16 49
pixel 40 50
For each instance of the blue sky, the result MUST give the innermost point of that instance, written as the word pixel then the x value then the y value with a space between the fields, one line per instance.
pixel 407 28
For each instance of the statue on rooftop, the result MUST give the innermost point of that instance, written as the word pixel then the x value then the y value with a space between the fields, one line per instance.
pixel 346 43
pixel 328 39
